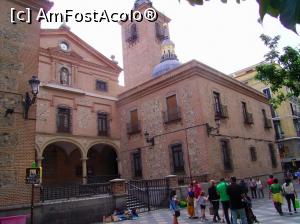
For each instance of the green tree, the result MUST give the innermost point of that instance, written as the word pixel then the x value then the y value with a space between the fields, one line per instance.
pixel 280 70
pixel 288 11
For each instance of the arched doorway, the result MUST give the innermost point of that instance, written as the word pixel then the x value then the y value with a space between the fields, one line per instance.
pixel 102 164
pixel 62 164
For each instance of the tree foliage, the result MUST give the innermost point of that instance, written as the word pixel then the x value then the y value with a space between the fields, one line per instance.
pixel 280 70
pixel 288 11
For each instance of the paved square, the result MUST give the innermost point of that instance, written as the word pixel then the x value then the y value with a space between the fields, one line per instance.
pixel 262 208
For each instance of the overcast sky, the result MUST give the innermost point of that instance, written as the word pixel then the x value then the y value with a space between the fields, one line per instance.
pixel 223 36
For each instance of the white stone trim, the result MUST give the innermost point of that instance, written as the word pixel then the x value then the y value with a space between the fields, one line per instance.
pixel 78 91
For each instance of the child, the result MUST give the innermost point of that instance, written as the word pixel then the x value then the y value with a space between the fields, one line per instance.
pixel 190 204
pixel 202 202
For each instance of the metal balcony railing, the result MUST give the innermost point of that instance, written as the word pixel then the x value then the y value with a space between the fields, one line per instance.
pixel 248 118
pixel 268 123
pixel 221 111
pixel 172 115
pixel 133 128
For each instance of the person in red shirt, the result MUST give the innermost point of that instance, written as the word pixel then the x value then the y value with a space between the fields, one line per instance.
pixel 197 192
pixel 270 181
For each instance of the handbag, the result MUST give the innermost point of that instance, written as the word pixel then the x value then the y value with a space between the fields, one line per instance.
pixel 297 203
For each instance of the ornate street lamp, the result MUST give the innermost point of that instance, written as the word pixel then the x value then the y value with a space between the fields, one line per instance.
pixel 35 86
pixel 149 139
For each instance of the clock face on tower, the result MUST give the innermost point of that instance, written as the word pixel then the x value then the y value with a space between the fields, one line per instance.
pixel 64 46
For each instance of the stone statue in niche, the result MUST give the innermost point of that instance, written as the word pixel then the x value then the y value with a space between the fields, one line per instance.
pixel 64 76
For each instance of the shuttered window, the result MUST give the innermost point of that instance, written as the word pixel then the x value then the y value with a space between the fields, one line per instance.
pixel 226 154
pixel 103 125
pixel 177 157
pixel 137 164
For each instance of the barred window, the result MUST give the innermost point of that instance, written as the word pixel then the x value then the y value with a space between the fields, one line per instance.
pixel 137 164
pixel 177 157
pixel 101 86
pixel 272 155
pixel 63 120
pixel 226 154
pixel 253 153
pixel 103 124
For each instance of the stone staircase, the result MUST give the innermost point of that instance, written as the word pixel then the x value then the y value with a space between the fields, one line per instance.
pixel 134 203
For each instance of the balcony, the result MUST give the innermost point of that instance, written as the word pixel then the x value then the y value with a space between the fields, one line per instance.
pixel 248 118
pixel 133 128
pixel 221 111
pixel 104 133
pixel 173 115
pixel 268 123
pixel 279 136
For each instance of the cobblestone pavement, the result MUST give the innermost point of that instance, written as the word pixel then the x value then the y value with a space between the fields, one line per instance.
pixel 262 208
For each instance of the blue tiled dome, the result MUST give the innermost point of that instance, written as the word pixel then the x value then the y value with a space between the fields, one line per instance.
pixel 137 3
pixel 164 67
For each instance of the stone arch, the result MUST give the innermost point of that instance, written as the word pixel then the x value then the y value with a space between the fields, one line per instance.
pixel 62 162
pixel 69 140
pixel 102 161
pixel 103 142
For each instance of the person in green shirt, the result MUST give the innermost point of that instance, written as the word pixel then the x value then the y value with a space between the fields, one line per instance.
pixel 224 198
pixel 275 190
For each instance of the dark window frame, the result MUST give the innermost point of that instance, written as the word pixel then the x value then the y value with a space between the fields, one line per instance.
pixel 103 123
pixel 273 155
pixel 253 153
pixel 101 86
pixel 226 155
pixel 177 158
pixel 62 125
pixel 137 167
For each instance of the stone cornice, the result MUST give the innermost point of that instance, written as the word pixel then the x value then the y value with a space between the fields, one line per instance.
pixel 192 68
pixel 35 5
pixel 83 44
pixel 77 91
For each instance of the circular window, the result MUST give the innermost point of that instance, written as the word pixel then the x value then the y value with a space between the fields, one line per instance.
pixel 64 46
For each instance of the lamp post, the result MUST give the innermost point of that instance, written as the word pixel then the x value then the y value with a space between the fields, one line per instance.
pixel 35 86
pixel 149 139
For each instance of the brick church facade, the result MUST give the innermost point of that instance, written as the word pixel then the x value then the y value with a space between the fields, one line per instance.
pixel 170 118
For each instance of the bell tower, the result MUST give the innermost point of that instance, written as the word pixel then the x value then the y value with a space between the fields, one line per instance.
pixel 141 43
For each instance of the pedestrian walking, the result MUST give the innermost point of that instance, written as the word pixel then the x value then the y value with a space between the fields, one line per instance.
pixel 197 192
pixel 275 190
pixel 290 194
pixel 235 192
pixel 260 188
pixel 190 202
pixel 174 207
pixel 253 187
pixel 202 202
pixel 224 198
pixel 214 199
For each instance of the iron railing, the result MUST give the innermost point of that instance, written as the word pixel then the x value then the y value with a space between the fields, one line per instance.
pixel 248 118
pixel 134 128
pixel 172 115
pixel 73 191
pixel 221 111
pixel 101 179
pixel 268 123
pixel 151 194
